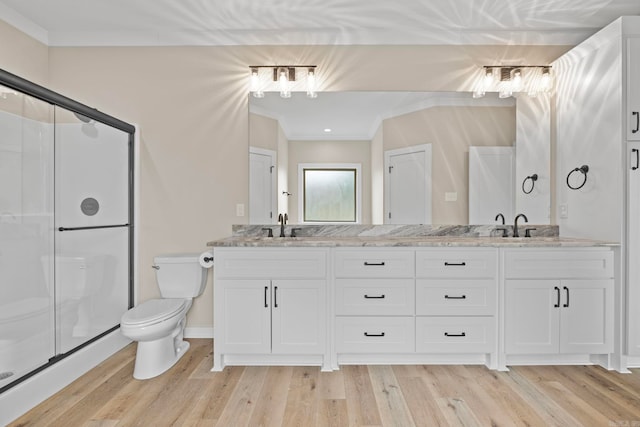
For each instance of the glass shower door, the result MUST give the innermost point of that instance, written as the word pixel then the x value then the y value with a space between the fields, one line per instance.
pixel 26 234
pixel 92 228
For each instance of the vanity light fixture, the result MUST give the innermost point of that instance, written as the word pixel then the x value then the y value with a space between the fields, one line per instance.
pixel 532 79
pixel 284 79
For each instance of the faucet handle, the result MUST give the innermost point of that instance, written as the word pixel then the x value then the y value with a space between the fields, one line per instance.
pixel 504 231
pixel 294 230
pixel 270 231
pixel 527 232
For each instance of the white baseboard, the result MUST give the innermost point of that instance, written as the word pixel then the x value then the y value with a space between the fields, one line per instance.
pixel 29 393
pixel 199 332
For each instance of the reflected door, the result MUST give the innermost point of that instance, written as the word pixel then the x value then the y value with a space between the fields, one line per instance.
pixel 491 177
pixel 408 185
pixel 262 186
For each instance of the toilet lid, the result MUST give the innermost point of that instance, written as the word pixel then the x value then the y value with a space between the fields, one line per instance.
pixel 153 311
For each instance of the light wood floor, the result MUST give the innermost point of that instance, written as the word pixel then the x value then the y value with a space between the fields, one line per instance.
pixel 190 395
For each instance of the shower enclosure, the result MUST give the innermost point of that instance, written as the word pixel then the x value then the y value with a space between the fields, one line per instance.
pixel 66 226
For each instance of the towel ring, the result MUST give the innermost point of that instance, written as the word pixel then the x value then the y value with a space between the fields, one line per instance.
pixel 533 179
pixel 584 169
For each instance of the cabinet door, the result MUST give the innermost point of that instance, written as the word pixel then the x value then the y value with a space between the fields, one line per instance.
pixel 532 316
pixel 298 316
pixel 633 89
pixel 633 250
pixel 246 314
pixel 586 316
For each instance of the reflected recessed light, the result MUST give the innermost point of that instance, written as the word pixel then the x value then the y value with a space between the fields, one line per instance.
pixel 327 130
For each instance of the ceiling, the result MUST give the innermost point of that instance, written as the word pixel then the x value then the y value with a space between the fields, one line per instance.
pixel 302 22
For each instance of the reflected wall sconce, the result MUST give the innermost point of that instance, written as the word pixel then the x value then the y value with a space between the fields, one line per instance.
pixel 533 178
pixel 284 79
pixel 510 79
pixel 584 169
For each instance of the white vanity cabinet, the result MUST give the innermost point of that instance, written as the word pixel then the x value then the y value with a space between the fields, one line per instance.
pixel 633 88
pixel 456 292
pixel 374 303
pixel 558 301
pixel 270 306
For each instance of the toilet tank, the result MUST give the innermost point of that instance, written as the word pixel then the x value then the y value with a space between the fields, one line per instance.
pixel 180 275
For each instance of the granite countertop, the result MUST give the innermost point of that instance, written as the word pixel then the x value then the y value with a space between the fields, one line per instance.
pixel 390 241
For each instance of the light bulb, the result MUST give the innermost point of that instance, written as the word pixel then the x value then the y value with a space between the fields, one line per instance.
pixel 255 84
pixel 488 78
pixel 311 83
pixel 283 81
pixel 545 80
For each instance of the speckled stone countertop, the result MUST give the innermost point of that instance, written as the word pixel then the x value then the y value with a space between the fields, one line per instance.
pixel 388 241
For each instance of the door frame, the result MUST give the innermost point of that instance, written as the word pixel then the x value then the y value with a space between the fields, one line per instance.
pixel 274 179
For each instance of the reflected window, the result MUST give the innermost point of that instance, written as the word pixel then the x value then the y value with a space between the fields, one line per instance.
pixel 330 193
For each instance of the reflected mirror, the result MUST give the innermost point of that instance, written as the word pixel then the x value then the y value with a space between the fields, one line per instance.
pixel 423 157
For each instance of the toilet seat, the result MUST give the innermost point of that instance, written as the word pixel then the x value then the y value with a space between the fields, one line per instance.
pixel 153 311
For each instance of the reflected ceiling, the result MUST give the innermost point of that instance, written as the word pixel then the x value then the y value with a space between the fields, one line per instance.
pixel 354 115
pixel 245 22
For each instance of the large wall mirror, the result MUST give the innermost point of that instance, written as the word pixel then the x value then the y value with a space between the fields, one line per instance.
pixel 423 157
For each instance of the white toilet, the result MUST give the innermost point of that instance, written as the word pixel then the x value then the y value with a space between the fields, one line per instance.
pixel 158 324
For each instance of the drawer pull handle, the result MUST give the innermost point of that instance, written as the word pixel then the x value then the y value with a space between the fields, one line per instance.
pixel 367 334
pixel 557 289
pixel 455 264
pixel 462 334
pixel 460 297
pixel 374 296
pixel 374 263
pixel 567 291
pixel 266 290
pixel 275 297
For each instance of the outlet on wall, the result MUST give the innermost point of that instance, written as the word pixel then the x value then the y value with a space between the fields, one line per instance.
pixel 240 209
pixel 564 210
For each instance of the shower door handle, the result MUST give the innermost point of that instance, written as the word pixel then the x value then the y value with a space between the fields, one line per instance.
pixel 93 227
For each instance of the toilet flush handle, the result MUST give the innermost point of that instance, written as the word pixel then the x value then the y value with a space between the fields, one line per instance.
pixel 156 267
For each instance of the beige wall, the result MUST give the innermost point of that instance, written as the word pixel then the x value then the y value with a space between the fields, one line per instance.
pixel 191 106
pixel 451 131
pixel 330 152
pixel 23 55
pixel 263 132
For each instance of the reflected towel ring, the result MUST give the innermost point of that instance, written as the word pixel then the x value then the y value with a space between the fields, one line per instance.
pixel 584 169
pixel 533 179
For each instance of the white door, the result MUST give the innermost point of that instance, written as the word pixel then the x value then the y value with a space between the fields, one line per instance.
pixel 491 183
pixel 585 322
pixel 298 316
pixel 633 249
pixel 532 316
pixel 246 310
pixel 408 185
pixel 262 186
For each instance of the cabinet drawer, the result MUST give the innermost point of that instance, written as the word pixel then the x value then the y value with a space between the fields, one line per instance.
pixel 262 263
pixel 374 297
pixel 455 297
pixel 456 263
pixel 558 264
pixel 455 334
pixel 374 263
pixel 375 334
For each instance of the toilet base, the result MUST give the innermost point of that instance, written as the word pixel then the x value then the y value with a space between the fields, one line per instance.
pixel 155 357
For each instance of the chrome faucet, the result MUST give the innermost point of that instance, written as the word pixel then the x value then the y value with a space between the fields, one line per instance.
pixel 515 224
pixel 282 219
